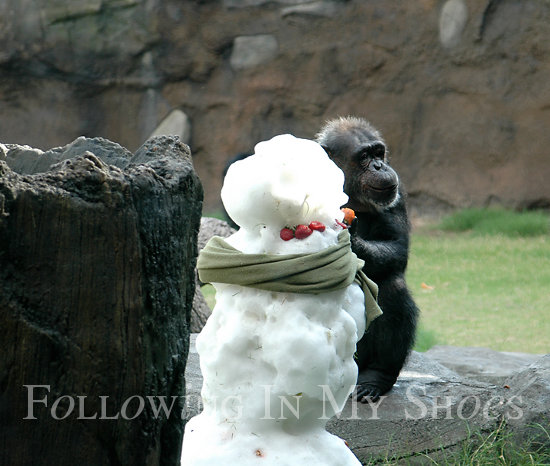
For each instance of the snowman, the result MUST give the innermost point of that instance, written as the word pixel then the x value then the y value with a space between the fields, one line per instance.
pixel 277 352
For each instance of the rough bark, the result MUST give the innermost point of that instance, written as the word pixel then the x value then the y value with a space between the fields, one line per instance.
pixel 96 288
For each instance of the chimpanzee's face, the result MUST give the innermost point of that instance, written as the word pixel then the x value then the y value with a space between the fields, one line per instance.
pixel 360 153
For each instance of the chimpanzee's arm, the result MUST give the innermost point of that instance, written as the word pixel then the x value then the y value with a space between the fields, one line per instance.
pixel 381 239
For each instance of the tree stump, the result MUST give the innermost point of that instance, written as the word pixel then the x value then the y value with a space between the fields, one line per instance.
pixel 97 256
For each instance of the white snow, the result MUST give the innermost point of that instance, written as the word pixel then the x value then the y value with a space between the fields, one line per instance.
pixel 286 182
pixel 277 366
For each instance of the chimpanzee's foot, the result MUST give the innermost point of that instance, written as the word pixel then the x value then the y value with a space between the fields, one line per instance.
pixel 372 384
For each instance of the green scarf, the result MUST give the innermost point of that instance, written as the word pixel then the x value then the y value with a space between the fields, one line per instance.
pixel 330 269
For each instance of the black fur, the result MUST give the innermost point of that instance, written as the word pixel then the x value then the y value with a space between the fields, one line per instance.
pixel 380 237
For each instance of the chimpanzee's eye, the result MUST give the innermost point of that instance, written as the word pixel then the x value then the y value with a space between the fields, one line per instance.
pixel 363 155
pixel 374 151
pixel 377 151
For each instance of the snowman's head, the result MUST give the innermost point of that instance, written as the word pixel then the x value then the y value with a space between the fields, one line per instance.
pixel 286 182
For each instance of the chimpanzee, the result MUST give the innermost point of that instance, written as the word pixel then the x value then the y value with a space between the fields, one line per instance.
pixel 381 238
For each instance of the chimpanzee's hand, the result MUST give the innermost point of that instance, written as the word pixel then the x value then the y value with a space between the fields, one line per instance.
pixel 372 384
pixel 353 227
pixel 367 392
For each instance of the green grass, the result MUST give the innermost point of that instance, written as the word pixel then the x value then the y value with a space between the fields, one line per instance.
pixel 484 289
pixel 498 221
pixel 481 288
pixel 209 293
pixel 219 214
pixel 491 291
pixel 426 338
pixel 501 447
pixel 485 284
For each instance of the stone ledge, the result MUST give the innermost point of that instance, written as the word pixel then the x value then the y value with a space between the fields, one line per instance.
pixel 431 408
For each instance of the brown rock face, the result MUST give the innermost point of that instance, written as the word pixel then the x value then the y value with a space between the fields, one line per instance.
pixel 459 88
pixel 96 287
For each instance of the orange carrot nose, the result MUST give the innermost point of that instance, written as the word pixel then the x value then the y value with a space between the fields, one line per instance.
pixel 349 215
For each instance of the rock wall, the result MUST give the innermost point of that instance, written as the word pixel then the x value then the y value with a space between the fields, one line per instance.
pixel 97 256
pixel 459 88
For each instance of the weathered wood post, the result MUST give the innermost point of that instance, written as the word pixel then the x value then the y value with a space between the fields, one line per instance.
pixel 97 257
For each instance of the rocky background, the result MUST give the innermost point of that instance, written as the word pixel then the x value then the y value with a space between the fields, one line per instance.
pixel 459 88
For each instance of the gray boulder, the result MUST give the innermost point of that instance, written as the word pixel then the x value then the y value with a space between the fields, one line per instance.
pixel 175 124
pixel 531 386
pixel 251 3
pixel 212 227
pixel 209 227
pixel 321 8
pixel 26 160
pixel 252 51
pixel 431 409
pixel 482 364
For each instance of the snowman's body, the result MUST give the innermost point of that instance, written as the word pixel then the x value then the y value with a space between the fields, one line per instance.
pixel 277 365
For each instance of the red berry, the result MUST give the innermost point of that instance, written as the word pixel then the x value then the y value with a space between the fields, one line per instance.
pixel 303 231
pixel 317 226
pixel 286 234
